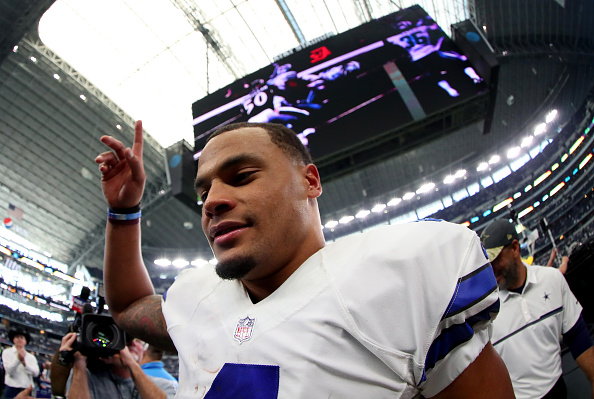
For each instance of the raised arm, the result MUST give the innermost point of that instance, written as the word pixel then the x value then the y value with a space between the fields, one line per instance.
pixel 128 287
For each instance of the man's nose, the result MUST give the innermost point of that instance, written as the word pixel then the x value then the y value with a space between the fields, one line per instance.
pixel 219 200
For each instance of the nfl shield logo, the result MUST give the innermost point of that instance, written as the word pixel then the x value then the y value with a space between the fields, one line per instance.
pixel 244 329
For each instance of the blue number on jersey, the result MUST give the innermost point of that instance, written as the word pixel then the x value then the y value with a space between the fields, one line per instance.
pixel 238 381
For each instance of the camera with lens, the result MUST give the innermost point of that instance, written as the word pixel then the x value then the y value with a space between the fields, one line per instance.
pixel 98 335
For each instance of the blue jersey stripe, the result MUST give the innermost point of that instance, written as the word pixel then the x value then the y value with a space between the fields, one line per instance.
pixel 456 335
pixel 471 289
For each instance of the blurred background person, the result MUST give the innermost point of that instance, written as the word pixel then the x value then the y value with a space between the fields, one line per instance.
pixel 537 310
pixel 20 366
pixel 152 364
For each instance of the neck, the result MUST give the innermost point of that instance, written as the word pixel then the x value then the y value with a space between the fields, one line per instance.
pixel 522 273
pixel 260 288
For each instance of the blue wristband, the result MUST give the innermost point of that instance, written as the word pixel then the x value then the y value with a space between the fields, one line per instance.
pixel 127 218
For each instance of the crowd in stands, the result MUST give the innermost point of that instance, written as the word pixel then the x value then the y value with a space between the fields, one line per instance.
pixel 33 321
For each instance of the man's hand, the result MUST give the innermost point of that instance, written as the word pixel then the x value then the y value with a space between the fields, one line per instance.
pixel 122 171
pixel 122 359
pixel 68 342
pixel 126 358
pixel 26 394
pixel 21 353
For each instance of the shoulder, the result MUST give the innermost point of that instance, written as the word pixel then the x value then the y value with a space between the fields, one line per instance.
pixel 545 274
pixel 192 283
pixel 191 287
pixel 391 270
pixel 8 351
pixel 421 245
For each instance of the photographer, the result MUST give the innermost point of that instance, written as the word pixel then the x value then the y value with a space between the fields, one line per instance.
pixel 117 376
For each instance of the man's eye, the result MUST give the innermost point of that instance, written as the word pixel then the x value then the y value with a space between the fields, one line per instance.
pixel 241 177
pixel 203 196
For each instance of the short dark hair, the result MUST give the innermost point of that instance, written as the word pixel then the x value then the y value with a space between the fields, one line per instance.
pixel 283 137
pixel 154 353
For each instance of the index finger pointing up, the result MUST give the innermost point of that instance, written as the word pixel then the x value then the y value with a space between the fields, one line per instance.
pixel 138 140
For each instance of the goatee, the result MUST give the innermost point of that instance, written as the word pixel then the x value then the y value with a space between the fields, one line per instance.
pixel 235 269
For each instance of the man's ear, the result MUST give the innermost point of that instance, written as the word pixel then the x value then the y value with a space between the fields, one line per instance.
pixel 314 184
pixel 517 248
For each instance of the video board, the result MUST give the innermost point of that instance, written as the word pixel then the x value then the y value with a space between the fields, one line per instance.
pixel 348 88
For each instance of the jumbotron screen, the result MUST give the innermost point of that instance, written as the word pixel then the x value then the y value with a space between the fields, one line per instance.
pixel 348 88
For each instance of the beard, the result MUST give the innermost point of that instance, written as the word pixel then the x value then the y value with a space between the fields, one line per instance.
pixel 235 269
pixel 509 276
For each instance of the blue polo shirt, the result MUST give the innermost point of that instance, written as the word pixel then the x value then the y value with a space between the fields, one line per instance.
pixel 156 369
pixel 165 381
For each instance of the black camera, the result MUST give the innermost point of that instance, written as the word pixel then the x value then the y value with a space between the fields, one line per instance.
pixel 99 336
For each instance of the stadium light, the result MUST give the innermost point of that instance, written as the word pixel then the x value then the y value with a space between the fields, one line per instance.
pixel 482 166
pixel 394 201
pixel 513 152
pixel 449 179
pixel 346 219
pixel 541 178
pixel 540 129
pixel 526 141
pixel 502 204
pixel 408 196
pixel 378 208
pixel 362 214
pixel 585 160
pixel 576 145
pixel 331 224
pixel 494 159
pixel 556 189
pixel 179 263
pixel 525 212
pixel 551 116
pixel 199 262
pixel 425 187
pixel 162 262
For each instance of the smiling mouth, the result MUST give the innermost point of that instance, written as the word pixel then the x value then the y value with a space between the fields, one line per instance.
pixel 225 231
pixel 229 229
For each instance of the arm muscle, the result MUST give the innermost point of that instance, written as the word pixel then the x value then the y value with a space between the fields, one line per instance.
pixel 144 319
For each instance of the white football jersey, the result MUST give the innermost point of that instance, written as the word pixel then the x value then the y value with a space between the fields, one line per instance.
pixel 394 312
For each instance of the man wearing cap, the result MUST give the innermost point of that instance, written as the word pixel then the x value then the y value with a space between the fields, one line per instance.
pixel 20 365
pixel 537 308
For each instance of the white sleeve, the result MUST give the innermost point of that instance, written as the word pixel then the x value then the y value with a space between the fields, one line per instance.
pixel 31 365
pixel 465 327
pixel 10 361
pixel 572 309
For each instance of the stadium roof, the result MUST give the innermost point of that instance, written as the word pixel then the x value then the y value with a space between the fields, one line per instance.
pixel 149 60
